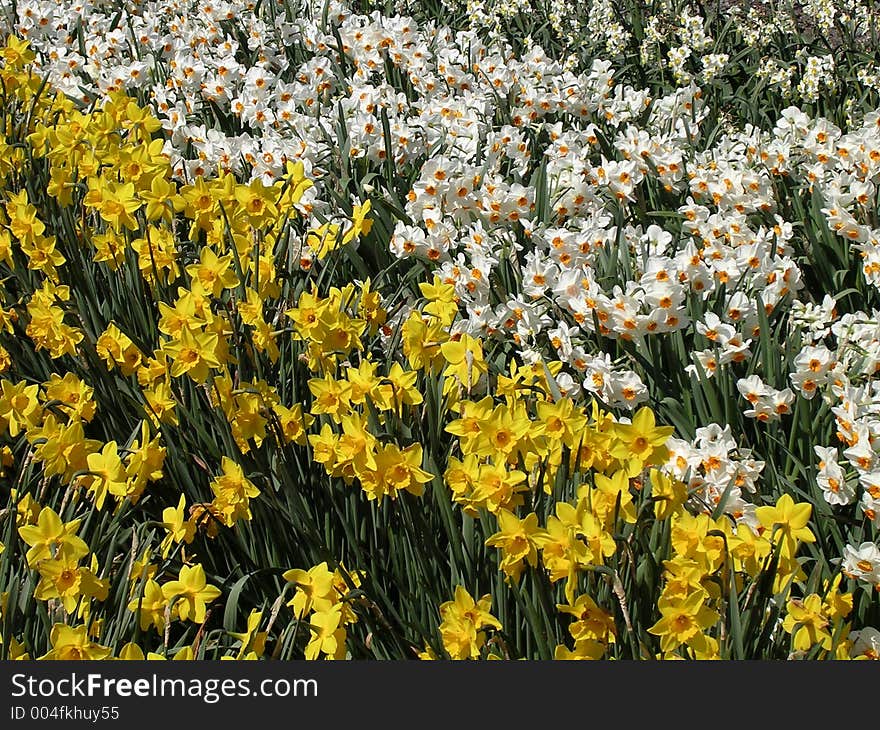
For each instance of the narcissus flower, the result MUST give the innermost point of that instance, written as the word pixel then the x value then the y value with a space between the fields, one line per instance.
pixel 667 492
pixel 17 53
pixel 178 527
pixel 253 642
pixel 592 622
pixel 683 620
pixel 191 593
pixel 74 395
pixel 150 607
pixel 194 354
pixel 73 644
pixel 641 443
pixel 50 536
pixel 396 470
pixel 807 623
pixel 19 407
pixel 115 202
pixel 464 358
pixel 233 492
pixel 517 541
pixel 464 622
pixel 786 521
pixel 314 589
pixel 360 224
pixel 213 273
pixel 107 474
pixel 258 202
pixel 328 637
pixel 63 578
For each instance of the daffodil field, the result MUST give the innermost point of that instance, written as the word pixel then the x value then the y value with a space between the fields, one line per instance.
pixel 439 329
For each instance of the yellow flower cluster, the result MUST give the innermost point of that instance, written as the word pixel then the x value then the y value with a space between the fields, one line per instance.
pixel 709 553
pixel 320 596
pixel 52 416
pixel 463 629
pixel 55 553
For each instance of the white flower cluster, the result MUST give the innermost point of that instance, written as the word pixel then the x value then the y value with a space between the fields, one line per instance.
pixel 841 365
pixel 818 75
pixel 713 65
pixel 869 76
pixel 716 472
pixel 777 74
pixel 822 13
